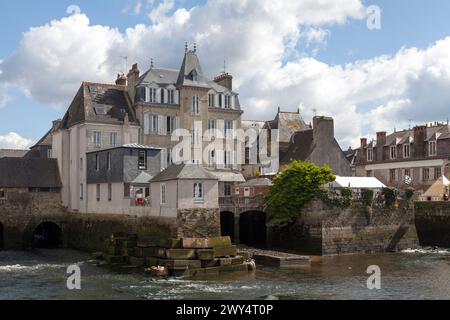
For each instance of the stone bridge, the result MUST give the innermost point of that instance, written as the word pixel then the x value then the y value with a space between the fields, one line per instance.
pixel 244 220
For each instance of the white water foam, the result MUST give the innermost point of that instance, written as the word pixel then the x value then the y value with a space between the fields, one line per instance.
pixel 427 251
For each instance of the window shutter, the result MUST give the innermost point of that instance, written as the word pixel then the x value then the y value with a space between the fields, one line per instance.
pixel 164 97
pixel 221 126
pixel 146 123
pixel 216 100
pixel 177 96
pixel 177 123
pixel 147 94
pixel 163 159
pixel 164 125
pixel 234 129
pixel 158 95
pixel 160 125
pixel 233 102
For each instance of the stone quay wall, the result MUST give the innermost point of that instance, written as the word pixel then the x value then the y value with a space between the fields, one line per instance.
pixel 325 230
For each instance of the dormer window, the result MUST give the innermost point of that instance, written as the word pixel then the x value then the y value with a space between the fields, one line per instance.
pixel 370 154
pixel 193 76
pixel 171 96
pixel 432 149
pixel 150 95
pixel 393 152
pixel 227 101
pixel 211 98
pixel 406 151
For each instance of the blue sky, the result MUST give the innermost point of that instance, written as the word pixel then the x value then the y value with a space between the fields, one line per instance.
pixel 405 23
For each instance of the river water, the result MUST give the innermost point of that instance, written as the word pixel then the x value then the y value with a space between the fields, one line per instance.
pixel 419 274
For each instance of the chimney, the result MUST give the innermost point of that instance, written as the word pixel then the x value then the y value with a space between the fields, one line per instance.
pixel 132 79
pixel 419 145
pixel 121 80
pixel 381 141
pixel 225 80
pixel 56 124
pixel 323 129
pixel 362 154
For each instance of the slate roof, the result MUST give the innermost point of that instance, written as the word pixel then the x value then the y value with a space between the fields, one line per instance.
pixel 142 178
pixel 228 176
pixel 257 182
pixel 46 140
pixel 8 153
pixel 301 147
pixel 113 99
pixel 288 123
pixel 29 173
pixel 184 172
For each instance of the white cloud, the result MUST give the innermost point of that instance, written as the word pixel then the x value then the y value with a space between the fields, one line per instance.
pixel 13 140
pixel 255 37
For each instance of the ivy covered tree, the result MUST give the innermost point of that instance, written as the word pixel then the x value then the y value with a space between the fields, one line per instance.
pixel 294 187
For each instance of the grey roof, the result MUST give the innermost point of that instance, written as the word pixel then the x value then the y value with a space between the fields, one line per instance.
pixel 142 178
pixel 46 140
pixel 128 146
pixel 8 153
pixel 287 123
pixel 29 173
pixel 184 172
pixel 113 99
pixel 159 76
pixel 301 147
pixel 257 182
pixel 228 176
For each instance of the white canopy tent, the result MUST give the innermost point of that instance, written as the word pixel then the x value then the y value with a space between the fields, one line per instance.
pixel 357 183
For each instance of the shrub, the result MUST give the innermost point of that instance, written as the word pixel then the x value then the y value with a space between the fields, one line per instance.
pixel 390 196
pixel 294 187
pixel 409 193
pixel 367 197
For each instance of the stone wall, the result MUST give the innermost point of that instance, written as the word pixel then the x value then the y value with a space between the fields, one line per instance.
pixel 325 230
pixel 198 223
pixel 433 223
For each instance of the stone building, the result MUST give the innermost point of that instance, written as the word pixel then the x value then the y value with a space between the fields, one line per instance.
pixel 410 158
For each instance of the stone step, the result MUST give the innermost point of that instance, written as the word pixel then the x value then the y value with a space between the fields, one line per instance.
pixel 225 251
pixel 170 264
pixel 205 254
pixel 180 254
pixel 281 261
pixel 205 243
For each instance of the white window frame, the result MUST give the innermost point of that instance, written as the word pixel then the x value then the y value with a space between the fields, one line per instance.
pixel 113 139
pixel 195 105
pixel 211 100
pixel 97 138
pixel 393 152
pixel 370 154
pixel 162 189
pixel 152 95
pixel 153 124
pixel 170 96
pixel 406 150
pixel 199 192
pixel 432 148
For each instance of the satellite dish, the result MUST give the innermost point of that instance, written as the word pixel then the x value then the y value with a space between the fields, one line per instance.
pixel 408 180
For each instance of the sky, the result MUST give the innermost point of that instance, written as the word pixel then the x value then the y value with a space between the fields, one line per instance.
pixel 322 57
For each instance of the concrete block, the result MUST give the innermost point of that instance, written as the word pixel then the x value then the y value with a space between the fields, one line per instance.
pixel 225 251
pixel 205 243
pixel 211 263
pixel 191 264
pixel 225 261
pixel 180 254
pixel 281 262
pixel 237 260
pixel 170 243
pixel 205 254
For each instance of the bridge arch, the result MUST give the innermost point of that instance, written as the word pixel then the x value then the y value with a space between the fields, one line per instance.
pixel 2 231
pixel 252 229
pixel 47 234
pixel 227 225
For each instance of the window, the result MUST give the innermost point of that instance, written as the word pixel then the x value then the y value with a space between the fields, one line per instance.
pixel 171 96
pixel 108 161
pixel 228 159
pixel 98 192
pixel 198 191
pixel 432 151
pixel 163 194
pixel 220 100
pixel 113 139
pixel 152 95
pixel 393 152
pixel 153 124
pixel 227 101
pixel 142 161
pixel 109 192
pixel 162 95
pixel 97 138
pixel 170 124
pixel 2 193
pixel 370 154
pixel 81 191
pixel 228 126
pixel 227 189
pixel 196 136
pixel 426 174
pixel 437 173
pixel 49 153
pixel 211 98
pixel 195 105
pixel 97 162
pixel 211 156
pixel 392 175
pixel 407 173
pixel 406 151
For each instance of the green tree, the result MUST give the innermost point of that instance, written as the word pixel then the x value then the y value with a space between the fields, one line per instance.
pixel 297 185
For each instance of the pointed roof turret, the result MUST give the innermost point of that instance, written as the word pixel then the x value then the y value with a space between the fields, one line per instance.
pixel 191 72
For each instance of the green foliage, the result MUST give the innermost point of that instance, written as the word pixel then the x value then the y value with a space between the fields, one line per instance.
pixel 367 197
pixel 390 195
pixel 297 185
pixel 409 193
pixel 343 201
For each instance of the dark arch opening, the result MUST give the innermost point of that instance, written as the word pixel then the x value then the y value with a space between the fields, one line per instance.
pixel 252 229
pixel 227 225
pixel 1 237
pixel 47 235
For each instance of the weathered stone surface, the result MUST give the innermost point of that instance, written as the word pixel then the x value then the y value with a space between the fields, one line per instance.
pixel 245 255
pixel 237 260
pixel 180 254
pixel 192 264
pixel 151 262
pixel 432 220
pixel 134 261
pixel 225 261
pixel 198 223
pixel 205 254
pixel 225 251
pixel 205 243
pixel 281 262
pixel 234 268
pixel 211 263
pixel 170 243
